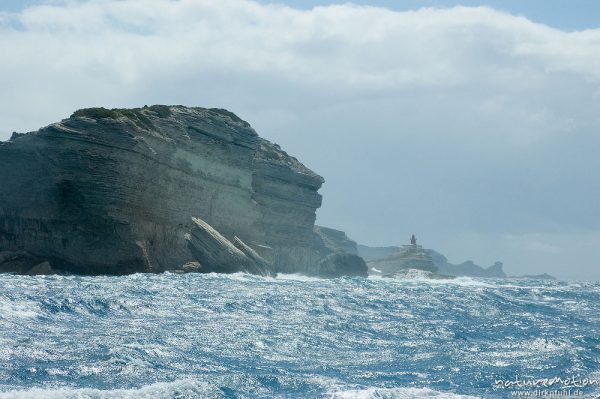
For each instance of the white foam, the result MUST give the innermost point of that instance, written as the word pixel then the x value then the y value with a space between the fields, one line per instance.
pixel 396 393
pixel 421 278
pixel 161 390
pixel 17 310
pixel 298 277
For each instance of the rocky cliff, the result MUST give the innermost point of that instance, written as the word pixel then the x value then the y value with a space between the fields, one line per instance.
pixel 114 191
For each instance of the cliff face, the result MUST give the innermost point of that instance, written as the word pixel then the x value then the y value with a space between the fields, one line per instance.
pixel 285 193
pixel 113 191
pixel 332 240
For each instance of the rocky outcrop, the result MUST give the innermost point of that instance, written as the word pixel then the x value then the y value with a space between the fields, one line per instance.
pixel 113 191
pixel 339 254
pixel 392 259
pixel 215 253
pixel 333 240
pixel 407 257
pixel 21 262
pixel 466 269
pixel 339 264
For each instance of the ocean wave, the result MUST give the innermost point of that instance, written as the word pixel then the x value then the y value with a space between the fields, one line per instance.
pixel 11 310
pixel 423 278
pixel 181 389
pixel 189 389
pixel 396 393
pixel 288 337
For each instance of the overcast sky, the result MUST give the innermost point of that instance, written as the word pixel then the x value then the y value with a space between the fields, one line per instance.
pixel 474 127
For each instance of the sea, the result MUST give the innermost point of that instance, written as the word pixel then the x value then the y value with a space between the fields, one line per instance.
pixel 179 336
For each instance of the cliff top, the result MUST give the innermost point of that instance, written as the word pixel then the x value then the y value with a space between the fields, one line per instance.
pixel 176 124
pixel 146 116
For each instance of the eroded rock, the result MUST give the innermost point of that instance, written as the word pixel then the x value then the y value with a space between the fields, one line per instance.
pixel 341 264
pixel 215 253
pixel 112 191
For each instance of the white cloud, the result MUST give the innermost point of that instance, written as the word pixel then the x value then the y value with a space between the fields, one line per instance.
pixel 450 120
pixel 346 50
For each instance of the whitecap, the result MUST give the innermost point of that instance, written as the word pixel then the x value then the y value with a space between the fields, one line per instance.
pixel 180 389
pixel 17 310
pixel 396 393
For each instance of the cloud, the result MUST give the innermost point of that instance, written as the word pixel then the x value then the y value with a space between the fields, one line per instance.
pixel 497 63
pixel 449 121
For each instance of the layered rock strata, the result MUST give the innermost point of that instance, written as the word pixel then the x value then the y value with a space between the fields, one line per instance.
pixel 332 240
pixel 114 191
pixel 216 253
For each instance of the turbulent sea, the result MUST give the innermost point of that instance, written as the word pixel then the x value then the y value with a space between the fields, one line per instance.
pixel 241 336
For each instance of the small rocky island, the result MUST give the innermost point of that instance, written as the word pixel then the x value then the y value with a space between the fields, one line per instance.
pixel 396 261
pixel 411 256
pixel 161 188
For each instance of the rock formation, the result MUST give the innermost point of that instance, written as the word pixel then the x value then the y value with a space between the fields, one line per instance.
pixel 466 269
pixel 339 254
pixel 114 191
pixel 216 253
pixel 376 257
pixel 21 262
pixel 332 240
pixel 410 256
pixel 340 264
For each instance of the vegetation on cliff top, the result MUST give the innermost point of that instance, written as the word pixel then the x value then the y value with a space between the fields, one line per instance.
pixel 139 116
pixel 136 115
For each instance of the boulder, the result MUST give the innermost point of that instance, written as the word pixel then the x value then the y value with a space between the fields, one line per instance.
pixel 339 264
pixel 43 268
pixel 21 262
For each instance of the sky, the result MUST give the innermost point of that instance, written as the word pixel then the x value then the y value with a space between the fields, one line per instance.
pixel 472 124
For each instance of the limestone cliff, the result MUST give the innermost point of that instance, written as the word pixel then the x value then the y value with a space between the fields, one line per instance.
pixel 114 191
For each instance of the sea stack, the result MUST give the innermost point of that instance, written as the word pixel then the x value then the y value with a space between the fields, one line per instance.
pixel 114 191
